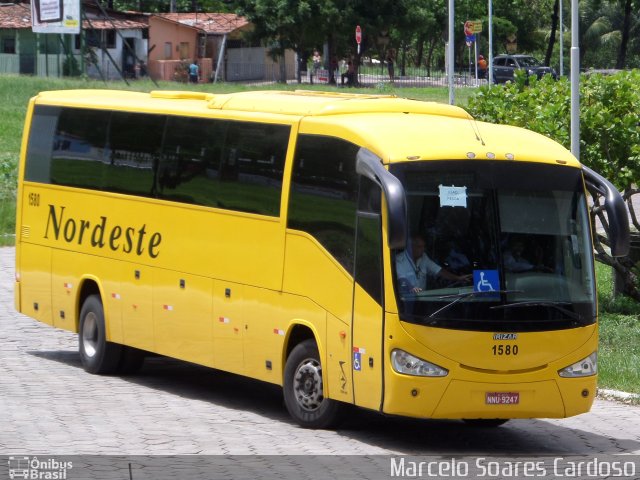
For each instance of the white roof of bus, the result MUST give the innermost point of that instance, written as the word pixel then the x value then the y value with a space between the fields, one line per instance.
pixel 396 129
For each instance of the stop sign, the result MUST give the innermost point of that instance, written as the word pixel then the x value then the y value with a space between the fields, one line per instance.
pixel 358 34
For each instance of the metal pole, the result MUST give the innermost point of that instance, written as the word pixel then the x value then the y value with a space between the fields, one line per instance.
pixel 490 67
pixel 475 57
pixel 575 80
pixel 451 51
pixel 561 42
pixel 220 55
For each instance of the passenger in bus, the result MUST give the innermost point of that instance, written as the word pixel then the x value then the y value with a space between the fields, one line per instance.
pixel 413 266
pixel 516 262
pixel 513 259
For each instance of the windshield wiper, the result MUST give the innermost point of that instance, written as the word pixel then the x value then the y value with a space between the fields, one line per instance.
pixel 555 305
pixel 460 296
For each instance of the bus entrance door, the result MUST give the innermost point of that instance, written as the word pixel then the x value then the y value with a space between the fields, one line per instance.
pixel 368 314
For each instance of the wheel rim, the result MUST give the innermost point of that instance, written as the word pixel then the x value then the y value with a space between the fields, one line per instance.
pixel 307 384
pixel 90 334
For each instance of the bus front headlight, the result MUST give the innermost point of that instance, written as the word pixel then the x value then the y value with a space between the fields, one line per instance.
pixel 584 368
pixel 407 364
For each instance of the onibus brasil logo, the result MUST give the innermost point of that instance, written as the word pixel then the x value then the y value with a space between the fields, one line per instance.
pixel 35 469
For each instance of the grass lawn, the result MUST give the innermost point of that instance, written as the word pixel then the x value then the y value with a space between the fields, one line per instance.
pixel 619 354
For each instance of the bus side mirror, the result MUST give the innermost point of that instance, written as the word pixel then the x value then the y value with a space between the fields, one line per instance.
pixel 616 211
pixel 370 166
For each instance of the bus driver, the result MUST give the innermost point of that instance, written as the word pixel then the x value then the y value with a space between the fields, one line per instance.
pixel 413 265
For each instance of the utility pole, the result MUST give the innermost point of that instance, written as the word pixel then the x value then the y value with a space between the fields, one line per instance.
pixel 575 80
pixel 451 52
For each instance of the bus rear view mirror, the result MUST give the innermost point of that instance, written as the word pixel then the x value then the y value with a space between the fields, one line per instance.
pixel 616 211
pixel 370 166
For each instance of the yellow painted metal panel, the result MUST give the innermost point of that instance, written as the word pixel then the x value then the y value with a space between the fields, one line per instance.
pixel 367 341
pixel 398 137
pixel 228 326
pixel 475 350
pixel 153 233
pixel 468 400
pixel 266 322
pixel 578 394
pixel 338 365
pixel 66 271
pixel 309 270
pixel 182 316
pixel 35 282
pixel 136 293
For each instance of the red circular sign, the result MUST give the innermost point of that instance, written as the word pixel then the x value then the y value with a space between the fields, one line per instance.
pixel 358 35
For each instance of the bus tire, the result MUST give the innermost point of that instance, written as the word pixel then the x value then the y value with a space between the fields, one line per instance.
pixel 303 389
pixel 96 354
pixel 485 422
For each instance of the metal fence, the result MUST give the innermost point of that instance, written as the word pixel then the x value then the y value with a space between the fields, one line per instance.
pixel 249 73
pixel 368 76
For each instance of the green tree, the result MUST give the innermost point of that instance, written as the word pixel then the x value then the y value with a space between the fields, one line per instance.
pixel 298 25
pixel 162 6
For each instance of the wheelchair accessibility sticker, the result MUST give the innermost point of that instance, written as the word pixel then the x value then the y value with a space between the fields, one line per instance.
pixel 486 281
pixel 357 358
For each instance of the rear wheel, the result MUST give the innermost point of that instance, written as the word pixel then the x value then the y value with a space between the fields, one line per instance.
pixel 97 355
pixel 303 389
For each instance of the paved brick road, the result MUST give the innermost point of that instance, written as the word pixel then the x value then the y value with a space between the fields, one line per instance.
pixel 48 405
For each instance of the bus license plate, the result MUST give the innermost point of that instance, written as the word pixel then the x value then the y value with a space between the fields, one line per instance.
pixel 502 398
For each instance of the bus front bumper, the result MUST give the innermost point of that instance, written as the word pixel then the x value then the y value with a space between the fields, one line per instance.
pixel 456 399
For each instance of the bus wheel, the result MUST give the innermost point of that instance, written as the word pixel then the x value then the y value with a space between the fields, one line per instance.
pixel 303 391
pixel 485 422
pixel 97 355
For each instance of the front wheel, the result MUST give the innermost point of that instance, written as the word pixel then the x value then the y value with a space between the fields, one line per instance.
pixel 303 389
pixel 97 355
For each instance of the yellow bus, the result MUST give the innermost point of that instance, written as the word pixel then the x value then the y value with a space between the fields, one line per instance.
pixel 370 250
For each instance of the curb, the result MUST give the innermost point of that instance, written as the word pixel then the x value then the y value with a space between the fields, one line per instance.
pixel 618 396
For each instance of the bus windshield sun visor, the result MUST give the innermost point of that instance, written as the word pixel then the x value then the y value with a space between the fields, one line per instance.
pixel 370 166
pixel 616 211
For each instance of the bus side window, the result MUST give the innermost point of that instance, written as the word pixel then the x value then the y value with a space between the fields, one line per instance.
pixel 324 189
pixel 252 167
pixel 133 152
pixel 78 155
pixel 190 160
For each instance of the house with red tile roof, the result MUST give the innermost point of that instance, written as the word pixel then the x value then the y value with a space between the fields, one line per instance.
pixel 222 47
pixel 115 44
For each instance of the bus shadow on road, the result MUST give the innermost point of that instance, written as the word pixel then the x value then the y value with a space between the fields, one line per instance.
pixel 398 434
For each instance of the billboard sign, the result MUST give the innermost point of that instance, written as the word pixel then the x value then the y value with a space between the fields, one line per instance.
pixel 55 16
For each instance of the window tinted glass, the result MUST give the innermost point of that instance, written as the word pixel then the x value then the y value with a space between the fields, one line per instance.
pixel 369 246
pixel 252 167
pixel 190 164
pixel 133 152
pixel 79 156
pixel 210 162
pixel 41 139
pixel 324 194
pixel 517 228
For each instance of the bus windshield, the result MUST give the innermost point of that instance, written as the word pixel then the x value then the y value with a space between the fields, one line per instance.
pixel 495 246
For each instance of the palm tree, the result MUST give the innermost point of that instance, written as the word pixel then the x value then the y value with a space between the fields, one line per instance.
pixel 596 27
